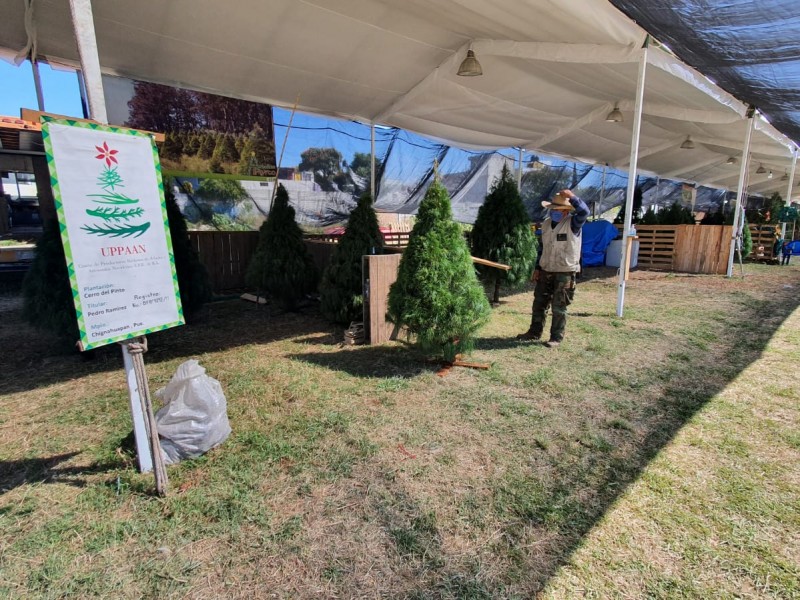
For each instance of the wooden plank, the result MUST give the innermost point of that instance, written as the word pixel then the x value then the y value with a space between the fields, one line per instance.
pixel 380 272
pixel 489 263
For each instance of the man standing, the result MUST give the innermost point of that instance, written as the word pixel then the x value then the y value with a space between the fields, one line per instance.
pixel 558 263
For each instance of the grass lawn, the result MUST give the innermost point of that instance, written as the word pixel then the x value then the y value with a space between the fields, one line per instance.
pixel 654 456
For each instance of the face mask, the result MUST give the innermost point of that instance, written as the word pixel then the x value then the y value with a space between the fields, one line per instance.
pixel 556 216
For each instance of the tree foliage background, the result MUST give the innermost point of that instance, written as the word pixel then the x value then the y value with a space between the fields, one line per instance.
pixel 341 290
pixel 502 233
pixel 281 266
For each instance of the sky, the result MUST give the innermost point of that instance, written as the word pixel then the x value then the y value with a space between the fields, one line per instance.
pixel 17 90
pixel 62 96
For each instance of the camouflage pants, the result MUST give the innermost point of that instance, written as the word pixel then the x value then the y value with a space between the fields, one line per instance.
pixel 555 290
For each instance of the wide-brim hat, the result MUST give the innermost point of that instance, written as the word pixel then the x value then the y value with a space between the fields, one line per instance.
pixel 559 202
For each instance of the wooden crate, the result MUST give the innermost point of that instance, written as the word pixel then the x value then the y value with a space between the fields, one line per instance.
pixel 379 273
pixel 763 241
pixel 702 248
pixel 656 246
pixel 684 248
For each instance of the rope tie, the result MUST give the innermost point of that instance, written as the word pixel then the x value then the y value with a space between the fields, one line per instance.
pixel 139 347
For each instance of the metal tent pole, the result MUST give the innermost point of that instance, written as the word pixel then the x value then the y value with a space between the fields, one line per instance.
pixel 788 201
pixel 83 23
pixel 519 171
pixel 736 232
pixel 637 126
pixel 602 193
pixel 372 163
pixel 37 82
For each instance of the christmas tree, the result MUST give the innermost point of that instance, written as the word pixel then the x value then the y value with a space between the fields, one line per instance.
pixel 437 296
pixel 502 233
pixel 193 281
pixel 281 265
pixel 47 290
pixel 341 287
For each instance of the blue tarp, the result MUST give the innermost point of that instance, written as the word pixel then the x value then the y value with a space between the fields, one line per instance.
pixel 597 235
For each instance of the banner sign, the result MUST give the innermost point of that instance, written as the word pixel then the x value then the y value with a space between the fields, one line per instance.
pixel 688 195
pixel 109 198
pixel 206 135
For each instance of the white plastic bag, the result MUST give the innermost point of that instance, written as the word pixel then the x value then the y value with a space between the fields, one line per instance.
pixel 194 417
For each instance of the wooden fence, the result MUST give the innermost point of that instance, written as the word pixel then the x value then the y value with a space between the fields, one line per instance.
pixel 225 255
pixel 684 248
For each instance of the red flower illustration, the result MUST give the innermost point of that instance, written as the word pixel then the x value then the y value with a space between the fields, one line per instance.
pixel 106 154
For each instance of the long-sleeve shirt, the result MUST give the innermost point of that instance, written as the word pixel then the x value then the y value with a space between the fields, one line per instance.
pixel 579 218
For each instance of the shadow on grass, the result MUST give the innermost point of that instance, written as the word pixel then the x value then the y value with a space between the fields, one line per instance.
pixel 38 360
pixel 14 473
pixel 371 361
pixel 688 381
pixel 588 465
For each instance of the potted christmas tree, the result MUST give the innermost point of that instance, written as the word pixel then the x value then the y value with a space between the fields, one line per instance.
pixel 281 265
pixel 437 296
pixel 502 233
pixel 341 287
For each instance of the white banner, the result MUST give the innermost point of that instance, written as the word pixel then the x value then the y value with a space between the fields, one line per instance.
pixel 110 204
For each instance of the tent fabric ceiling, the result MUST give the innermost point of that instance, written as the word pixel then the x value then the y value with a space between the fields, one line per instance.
pixel 552 71
pixel 751 49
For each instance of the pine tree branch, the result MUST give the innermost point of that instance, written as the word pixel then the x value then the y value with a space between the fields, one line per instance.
pixel 114 199
pixel 115 214
pixel 117 230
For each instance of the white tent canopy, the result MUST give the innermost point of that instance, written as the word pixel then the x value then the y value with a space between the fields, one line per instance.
pixel 552 71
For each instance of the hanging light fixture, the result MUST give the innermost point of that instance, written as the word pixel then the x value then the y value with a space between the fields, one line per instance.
pixel 785 176
pixel 615 116
pixel 732 160
pixel 688 144
pixel 470 67
pixel 761 170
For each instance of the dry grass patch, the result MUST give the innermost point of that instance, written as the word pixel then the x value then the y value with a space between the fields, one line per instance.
pixel 650 456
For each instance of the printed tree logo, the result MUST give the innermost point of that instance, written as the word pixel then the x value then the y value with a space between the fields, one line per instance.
pixel 116 211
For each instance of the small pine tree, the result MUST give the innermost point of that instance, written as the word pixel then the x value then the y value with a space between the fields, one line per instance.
pixel 341 287
pixel 502 233
pixel 256 149
pixel 714 218
pixel 47 291
pixel 215 165
pixel 650 217
pixel 281 265
pixel 676 215
pixel 747 240
pixel 437 295
pixel 207 144
pixel 229 153
pixel 193 280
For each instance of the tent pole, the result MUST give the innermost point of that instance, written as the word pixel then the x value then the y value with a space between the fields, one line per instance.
pixel 519 172
pixel 737 229
pixel 788 201
pixel 37 82
pixel 372 161
pixel 83 24
pixel 632 168
pixel 602 193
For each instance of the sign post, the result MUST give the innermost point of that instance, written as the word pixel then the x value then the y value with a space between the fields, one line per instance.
pixel 109 198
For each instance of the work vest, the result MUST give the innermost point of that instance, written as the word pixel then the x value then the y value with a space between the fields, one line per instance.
pixel 561 249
